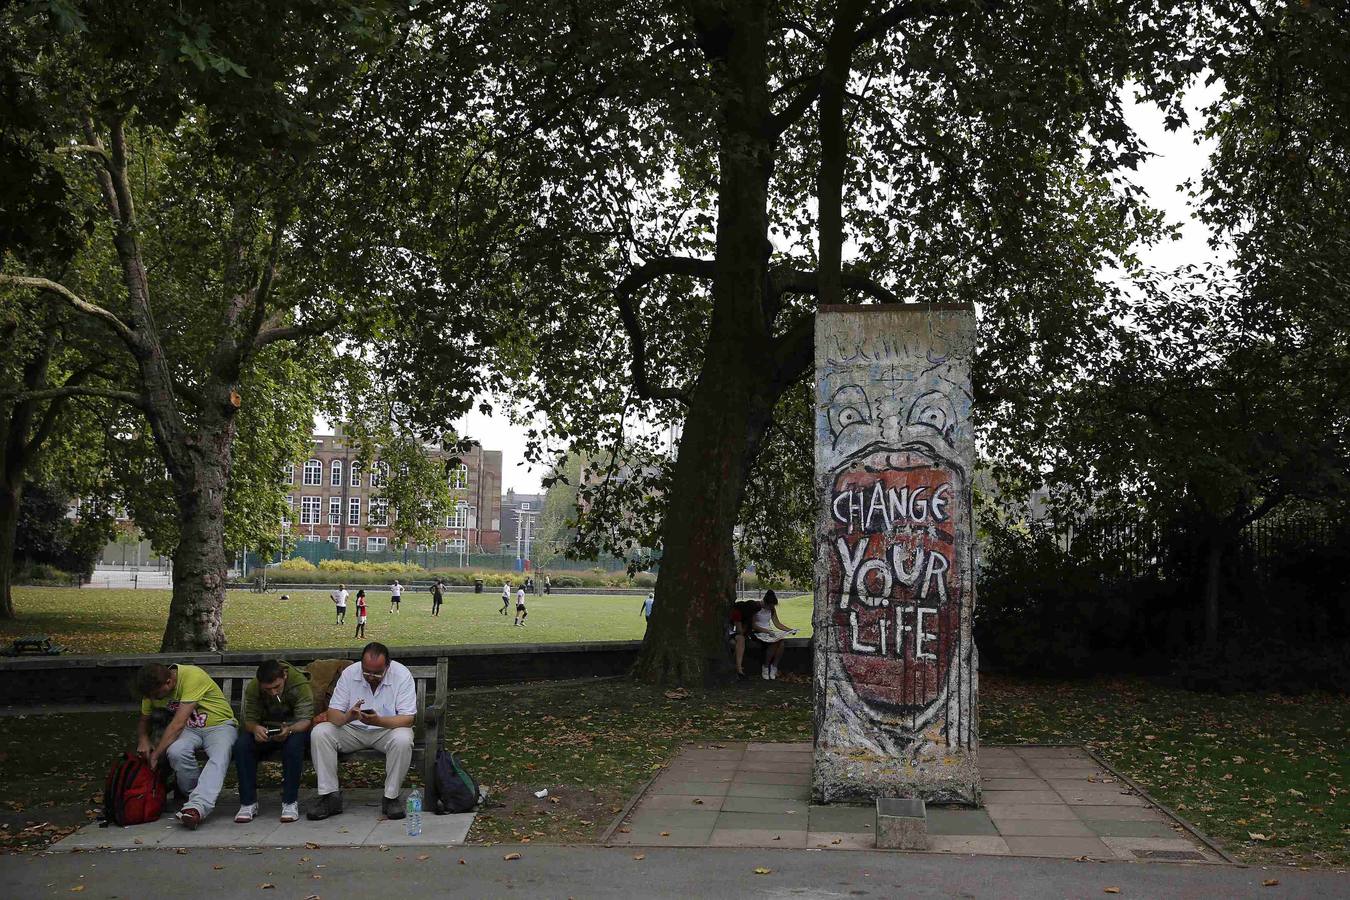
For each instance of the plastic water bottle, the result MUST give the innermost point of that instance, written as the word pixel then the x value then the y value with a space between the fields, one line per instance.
pixel 415 813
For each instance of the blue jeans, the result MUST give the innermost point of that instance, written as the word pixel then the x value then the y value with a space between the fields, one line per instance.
pixel 248 753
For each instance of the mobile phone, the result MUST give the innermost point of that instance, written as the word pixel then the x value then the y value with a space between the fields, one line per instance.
pixel 273 732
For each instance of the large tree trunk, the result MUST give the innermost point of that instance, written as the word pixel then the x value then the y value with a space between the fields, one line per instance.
pixel 1213 570
pixel 11 495
pixel 733 399
pixel 200 566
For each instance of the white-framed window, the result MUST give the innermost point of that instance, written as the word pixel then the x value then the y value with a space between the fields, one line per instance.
pixel 332 536
pixel 310 508
pixel 379 513
pixel 335 473
pixel 356 473
pixel 288 514
pixel 313 473
pixel 353 542
pixel 375 544
pixel 525 506
pixel 334 510
pixel 288 473
pixel 421 548
pixel 459 518
pixel 379 473
pixel 459 477
pixel 353 510
pixel 312 537
pixel 456 545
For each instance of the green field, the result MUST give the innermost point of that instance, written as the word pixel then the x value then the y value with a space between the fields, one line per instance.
pixel 131 621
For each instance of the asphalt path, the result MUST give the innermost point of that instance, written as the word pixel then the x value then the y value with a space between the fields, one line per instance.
pixel 553 871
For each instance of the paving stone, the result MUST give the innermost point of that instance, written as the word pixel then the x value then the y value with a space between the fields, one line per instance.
pixel 437 831
pixel 712 755
pixel 351 828
pixel 1119 813
pixel 1118 828
pixel 1097 798
pixel 673 837
pixel 1044 828
pixel 1055 753
pixel 1125 847
pixel 718 746
pixel 1029 811
pixel 772 777
pixel 789 791
pixel 777 805
pixel 1003 798
pixel 842 818
pixel 742 821
pixel 1007 772
pixel 757 837
pixel 800 759
pixel 775 766
pixel 680 801
pixel 840 840
pixel 691 788
pixel 678 776
pixel 1012 784
pixel 977 844
pixel 1069 847
pixel 670 819
pixel 785 747
pixel 960 822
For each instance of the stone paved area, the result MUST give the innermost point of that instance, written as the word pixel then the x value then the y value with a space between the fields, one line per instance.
pixel 359 825
pixel 1039 801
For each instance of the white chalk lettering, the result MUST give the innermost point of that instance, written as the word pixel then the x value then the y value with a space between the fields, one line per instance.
pixel 853 504
pixel 907 577
pixel 865 593
pixel 853 635
pixel 882 509
pixel 877 505
pixel 922 637
pixel 937 564
pixel 850 563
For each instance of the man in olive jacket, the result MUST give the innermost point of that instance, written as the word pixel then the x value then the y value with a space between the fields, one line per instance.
pixel 278 706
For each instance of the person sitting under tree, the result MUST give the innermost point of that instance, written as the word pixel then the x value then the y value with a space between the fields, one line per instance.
pixel 278 706
pixel 199 718
pixel 767 628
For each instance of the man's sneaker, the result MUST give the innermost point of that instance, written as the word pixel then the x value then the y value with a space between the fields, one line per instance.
pixel 290 812
pixel 325 806
pixel 392 808
pixel 246 813
pixel 764 673
pixel 190 817
pixel 773 673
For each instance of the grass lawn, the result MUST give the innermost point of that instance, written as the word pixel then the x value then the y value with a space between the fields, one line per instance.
pixel 132 621
pixel 1236 766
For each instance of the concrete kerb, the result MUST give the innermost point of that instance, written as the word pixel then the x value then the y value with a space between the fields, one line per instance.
pixel 1166 810
pixel 641 792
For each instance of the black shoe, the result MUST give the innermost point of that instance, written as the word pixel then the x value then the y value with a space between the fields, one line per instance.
pixel 325 806
pixel 392 808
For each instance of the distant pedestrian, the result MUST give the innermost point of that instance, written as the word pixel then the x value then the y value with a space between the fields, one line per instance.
pixel 647 609
pixel 361 612
pixel 506 598
pixel 437 596
pixel 395 596
pixel 547 585
pixel 521 612
pixel 340 603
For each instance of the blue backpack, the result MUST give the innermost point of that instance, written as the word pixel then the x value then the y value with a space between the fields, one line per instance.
pixel 454 790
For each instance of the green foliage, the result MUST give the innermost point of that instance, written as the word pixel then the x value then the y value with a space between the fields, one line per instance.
pixel 47 537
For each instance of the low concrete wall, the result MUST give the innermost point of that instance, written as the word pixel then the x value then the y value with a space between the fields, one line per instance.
pixel 35 681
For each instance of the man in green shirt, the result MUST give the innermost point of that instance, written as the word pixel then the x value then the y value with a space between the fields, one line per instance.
pixel 200 717
pixel 278 706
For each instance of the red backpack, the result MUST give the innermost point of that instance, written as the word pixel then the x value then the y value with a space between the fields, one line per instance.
pixel 134 793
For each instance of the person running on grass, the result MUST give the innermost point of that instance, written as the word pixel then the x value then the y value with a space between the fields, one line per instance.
pixel 521 612
pixel 361 612
pixel 506 598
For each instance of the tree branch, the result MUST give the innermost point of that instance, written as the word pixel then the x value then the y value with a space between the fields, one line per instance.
pixel 797 281
pixel 292 332
pixel 123 331
pixel 628 312
pixel 68 390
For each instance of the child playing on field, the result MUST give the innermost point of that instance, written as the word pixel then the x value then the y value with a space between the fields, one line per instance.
pixel 521 612
pixel 361 613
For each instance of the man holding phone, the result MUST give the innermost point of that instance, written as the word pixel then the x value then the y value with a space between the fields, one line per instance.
pixel 278 705
pixel 373 707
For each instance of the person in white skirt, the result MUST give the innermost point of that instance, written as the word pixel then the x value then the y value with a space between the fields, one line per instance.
pixel 767 627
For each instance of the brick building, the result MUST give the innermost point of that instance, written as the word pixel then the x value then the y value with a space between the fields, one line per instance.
pixel 331 498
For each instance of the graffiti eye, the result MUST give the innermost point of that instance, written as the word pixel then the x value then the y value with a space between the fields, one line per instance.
pixel 934 418
pixel 847 407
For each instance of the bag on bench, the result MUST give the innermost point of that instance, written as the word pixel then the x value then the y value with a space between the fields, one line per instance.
pixel 454 790
pixel 134 793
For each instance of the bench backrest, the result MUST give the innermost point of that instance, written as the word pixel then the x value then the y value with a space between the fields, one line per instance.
pixel 232 680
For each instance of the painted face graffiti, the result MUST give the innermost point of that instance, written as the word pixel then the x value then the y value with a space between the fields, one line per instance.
pixel 894 579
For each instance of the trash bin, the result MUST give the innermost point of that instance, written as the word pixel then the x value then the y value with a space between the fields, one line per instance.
pixel 478 585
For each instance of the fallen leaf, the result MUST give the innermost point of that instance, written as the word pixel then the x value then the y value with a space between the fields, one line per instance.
pixel 639 856
pixel 267 886
pixel 1258 836
pixel 837 841
pixel 1111 890
pixel 217 867
pixel 511 856
pixel 463 863
pixel 677 694
pixel 310 845
pixel 665 834
pixel 423 856
pixel 181 851
pixel 1270 882
pixel 77 888
pixel 760 870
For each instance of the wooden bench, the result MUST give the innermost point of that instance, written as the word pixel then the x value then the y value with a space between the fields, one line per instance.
pixel 428 727
pixel 39 644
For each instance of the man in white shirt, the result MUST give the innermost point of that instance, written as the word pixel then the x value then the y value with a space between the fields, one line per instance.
pixel 521 612
pixel 340 603
pixel 395 596
pixel 373 708
pixel 506 598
